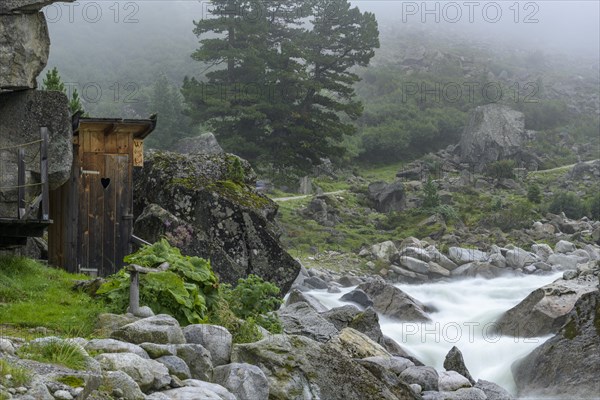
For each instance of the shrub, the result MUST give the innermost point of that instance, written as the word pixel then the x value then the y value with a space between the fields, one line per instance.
pixel 254 298
pixel 594 207
pixel 502 169
pixel 447 212
pixel 430 194
pixel 55 351
pixel 187 290
pixel 19 376
pixel 569 203
pixel 534 194
pixel 517 216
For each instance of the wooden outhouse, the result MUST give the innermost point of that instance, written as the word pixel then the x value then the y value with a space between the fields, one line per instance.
pixel 93 211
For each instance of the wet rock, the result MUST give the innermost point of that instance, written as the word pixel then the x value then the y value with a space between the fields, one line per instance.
pixel 359 297
pixel 454 362
pixel 394 303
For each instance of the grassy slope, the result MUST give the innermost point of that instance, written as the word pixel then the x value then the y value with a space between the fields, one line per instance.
pixel 33 295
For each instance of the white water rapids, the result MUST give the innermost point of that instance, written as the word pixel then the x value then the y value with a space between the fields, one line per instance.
pixel 464 318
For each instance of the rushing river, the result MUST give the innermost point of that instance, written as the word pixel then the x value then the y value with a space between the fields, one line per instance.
pixel 464 318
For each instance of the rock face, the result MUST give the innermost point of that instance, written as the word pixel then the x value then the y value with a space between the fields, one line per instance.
pixel 300 368
pixel 203 144
pixel 567 365
pixel 494 132
pixel 545 310
pixel 218 217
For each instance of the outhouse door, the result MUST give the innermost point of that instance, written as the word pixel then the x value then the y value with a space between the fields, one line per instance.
pixel 105 212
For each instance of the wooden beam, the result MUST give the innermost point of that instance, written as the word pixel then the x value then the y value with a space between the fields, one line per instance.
pixel 45 205
pixel 110 129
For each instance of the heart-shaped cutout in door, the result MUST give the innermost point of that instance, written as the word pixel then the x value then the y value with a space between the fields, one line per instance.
pixel 105 182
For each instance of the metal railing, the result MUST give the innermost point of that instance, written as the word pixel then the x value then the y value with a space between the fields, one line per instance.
pixel 41 202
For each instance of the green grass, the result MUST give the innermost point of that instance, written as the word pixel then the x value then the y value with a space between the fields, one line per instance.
pixel 386 173
pixel 55 351
pixel 33 295
pixel 19 376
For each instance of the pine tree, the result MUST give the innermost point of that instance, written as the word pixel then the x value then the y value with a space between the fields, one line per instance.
pixel 53 82
pixel 282 93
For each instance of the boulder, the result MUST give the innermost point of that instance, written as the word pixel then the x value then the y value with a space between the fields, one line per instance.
pixel 349 281
pixel 298 368
pixel 394 303
pixel 24 49
pixel 545 310
pixel 426 377
pixel 494 132
pixel 158 350
pixel 114 346
pixel 566 365
pixel 450 381
pixel 493 391
pixel 195 390
pixel 148 374
pixel 176 366
pixel 216 339
pixel 315 282
pixel 205 143
pixel 479 269
pixel 231 223
pixel 349 316
pixel 387 369
pixel 564 247
pixel 519 258
pixel 6 346
pixel 564 261
pixel 198 360
pixel 415 252
pixel 414 264
pixel 436 269
pixel 244 381
pixel 357 345
pixel 542 250
pixel 454 362
pixel 439 258
pixel 384 250
pixel 301 319
pixel 120 380
pixel 462 256
pixel 23 113
pixel 387 197
pixel 359 297
pixel 461 394
pixel 161 329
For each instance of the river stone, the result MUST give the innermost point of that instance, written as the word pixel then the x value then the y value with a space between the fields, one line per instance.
pixel 300 368
pixel 545 310
pixel 479 269
pixel 493 391
pixel 566 365
pixel 461 394
pixel 161 329
pixel 519 258
pixel 436 269
pixel 394 303
pixel 415 252
pixel 414 265
pixel 349 281
pixel 426 377
pixel 385 368
pixel 462 256
pixel 176 366
pixel 357 345
pixel 384 250
pixel 450 381
pixel 542 250
pixel 301 319
pixel 441 259
pixel 114 346
pixel 148 374
pixel 359 297
pixel 198 359
pixel 564 261
pixel 245 381
pixel 297 296
pixel 497 260
pixel 564 247
pixel 216 339
pixel 195 390
pixel 454 362
pixel 120 380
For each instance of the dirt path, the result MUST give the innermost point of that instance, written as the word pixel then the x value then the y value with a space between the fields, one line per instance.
pixel 280 199
pixel 562 167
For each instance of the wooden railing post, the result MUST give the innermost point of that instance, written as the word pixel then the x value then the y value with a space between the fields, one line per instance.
pixel 21 182
pixel 45 205
pixel 134 287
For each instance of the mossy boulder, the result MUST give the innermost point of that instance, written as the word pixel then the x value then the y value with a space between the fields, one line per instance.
pixel 207 205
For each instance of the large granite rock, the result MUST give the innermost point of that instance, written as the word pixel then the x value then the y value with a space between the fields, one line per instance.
pixel 245 381
pixel 219 218
pixel 300 368
pixel 301 319
pixel 494 132
pixel 148 374
pixel 394 303
pixel 24 50
pixel 387 197
pixel 545 310
pixel 160 329
pixel 22 114
pixel 568 364
pixel 454 362
pixel 216 339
